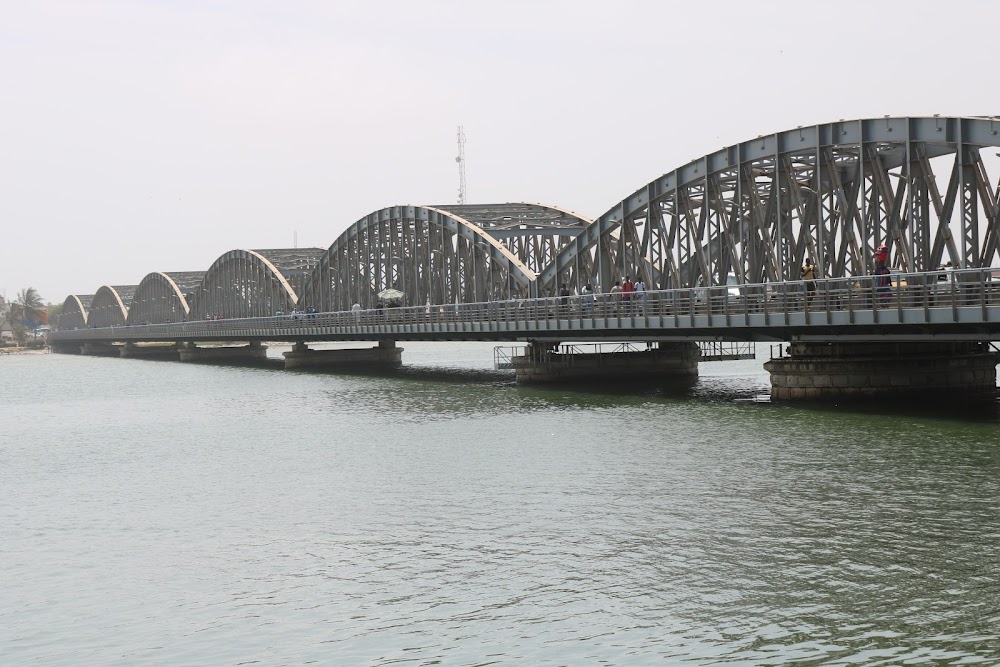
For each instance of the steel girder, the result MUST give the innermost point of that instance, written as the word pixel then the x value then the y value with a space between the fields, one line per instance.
pixel 295 264
pixel 252 283
pixel 830 192
pixel 74 311
pixel 110 306
pixel 534 233
pixel 162 298
pixel 431 255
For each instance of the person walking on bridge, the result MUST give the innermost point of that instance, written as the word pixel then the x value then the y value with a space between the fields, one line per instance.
pixel 883 280
pixel 563 300
pixel 809 275
pixel 616 296
pixel 628 292
pixel 588 300
pixel 640 295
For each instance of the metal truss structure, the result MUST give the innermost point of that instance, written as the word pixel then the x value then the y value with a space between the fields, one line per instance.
pixel 534 233
pixel 832 193
pixel 253 283
pixel 74 311
pixel 439 254
pixel 110 306
pixel 753 212
pixel 162 298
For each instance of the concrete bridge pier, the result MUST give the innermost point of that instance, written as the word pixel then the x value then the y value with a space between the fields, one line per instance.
pixel 151 351
pixel 909 371
pixel 101 349
pixel 543 362
pixel 384 355
pixel 192 353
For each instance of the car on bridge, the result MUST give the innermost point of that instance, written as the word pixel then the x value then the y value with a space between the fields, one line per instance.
pixel 942 287
pixel 938 288
pixel 733 292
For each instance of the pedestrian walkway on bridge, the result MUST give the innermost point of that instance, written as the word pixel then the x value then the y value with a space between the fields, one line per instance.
pixel 852 313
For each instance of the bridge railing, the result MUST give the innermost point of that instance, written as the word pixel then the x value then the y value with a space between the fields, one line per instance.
pixel 936 290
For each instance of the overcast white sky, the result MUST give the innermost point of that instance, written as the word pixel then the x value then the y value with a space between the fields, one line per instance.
pixel 148 136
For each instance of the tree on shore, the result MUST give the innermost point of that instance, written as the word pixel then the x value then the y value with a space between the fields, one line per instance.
pixel 25 312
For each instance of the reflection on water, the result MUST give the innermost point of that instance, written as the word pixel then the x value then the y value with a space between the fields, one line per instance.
pixel 190 514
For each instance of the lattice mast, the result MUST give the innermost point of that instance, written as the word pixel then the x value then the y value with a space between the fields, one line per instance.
pixel 461 165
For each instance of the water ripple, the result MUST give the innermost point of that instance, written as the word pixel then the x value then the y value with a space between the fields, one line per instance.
pixel 226 515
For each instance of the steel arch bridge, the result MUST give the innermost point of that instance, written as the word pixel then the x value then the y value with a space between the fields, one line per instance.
pixel 441 254
pixel 252 283
pixel 109 307
pixel 162 298
pixel 754 211
pixel 534 233
pixel 74 311
pixel 831 192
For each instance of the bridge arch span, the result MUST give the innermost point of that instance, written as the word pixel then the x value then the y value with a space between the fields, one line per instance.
pixel 440 254
pixel 832 192
pixel 110 306
pixel 533 233
pixel 74 311
pixel 162 298
pixel 252 283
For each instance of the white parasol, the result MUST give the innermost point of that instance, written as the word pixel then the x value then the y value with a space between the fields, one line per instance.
pixel 390 293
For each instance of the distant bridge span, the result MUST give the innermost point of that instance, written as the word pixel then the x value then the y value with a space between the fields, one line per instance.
pixel 746 216
pixel 832 192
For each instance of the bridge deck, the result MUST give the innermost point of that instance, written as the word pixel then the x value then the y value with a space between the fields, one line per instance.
pixel 839 310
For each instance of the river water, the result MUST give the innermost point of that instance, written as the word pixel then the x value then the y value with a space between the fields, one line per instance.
pixel 178 514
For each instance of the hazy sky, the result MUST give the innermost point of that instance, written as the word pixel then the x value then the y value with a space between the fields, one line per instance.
pixel 154 136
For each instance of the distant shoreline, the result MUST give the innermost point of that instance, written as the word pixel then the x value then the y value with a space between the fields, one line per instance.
pixel 23 350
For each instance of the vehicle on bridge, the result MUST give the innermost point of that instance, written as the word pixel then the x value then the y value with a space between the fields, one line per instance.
pixel 732 292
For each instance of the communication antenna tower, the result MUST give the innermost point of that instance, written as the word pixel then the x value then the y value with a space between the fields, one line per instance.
pixel 461 165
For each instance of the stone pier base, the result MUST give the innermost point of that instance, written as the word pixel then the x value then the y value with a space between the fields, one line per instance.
pixel 947 371
pixel 385 355
pixel 101 349
pixel 675 362
pixel 150 351
pixel 192 352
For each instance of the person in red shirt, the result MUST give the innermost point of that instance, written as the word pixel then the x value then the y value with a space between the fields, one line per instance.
pixel 628 291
